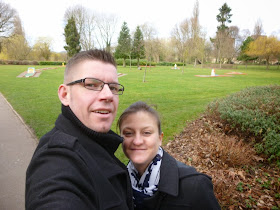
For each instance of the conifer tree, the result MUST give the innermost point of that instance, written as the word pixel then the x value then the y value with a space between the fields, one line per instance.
pixel 123 49
pixel 72 38
pixel 223 17
pixel 244 47
pixel 138 49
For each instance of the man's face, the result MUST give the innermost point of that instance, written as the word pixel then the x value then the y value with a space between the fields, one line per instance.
pixel 95 109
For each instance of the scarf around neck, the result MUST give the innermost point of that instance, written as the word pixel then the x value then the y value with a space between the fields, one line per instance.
pixel 147 184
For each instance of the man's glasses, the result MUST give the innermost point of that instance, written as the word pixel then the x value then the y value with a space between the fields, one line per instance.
pixel 97 85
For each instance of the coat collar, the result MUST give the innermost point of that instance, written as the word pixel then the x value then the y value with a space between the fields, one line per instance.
pixel 100 146
pixel 169 175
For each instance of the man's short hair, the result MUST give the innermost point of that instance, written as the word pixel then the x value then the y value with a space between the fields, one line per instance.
pixel 94 54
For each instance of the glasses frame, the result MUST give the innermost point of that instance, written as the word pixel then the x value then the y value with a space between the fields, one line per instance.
pixel 104 83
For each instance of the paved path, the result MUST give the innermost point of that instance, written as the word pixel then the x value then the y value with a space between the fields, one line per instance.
pixel 17 145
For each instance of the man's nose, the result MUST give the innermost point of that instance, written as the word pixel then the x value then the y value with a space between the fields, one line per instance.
pixel 106 92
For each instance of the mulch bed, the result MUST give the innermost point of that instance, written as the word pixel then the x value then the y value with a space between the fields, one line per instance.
pixel 241 178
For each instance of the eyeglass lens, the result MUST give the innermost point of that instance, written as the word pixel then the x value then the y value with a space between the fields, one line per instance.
pixel 94 84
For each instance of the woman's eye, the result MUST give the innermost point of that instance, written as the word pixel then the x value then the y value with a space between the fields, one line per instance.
pixel 127 134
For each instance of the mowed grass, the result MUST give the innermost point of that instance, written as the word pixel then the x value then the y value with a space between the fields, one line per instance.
pixel 179 97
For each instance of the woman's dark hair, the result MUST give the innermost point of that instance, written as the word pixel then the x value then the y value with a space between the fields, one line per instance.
pixel 138 107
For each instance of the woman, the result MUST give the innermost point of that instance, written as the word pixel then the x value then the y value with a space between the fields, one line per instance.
pixel 158 180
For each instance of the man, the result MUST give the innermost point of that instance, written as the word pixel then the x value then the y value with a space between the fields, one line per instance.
pixel 74 166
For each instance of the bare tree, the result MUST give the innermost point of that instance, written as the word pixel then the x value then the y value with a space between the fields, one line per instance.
pixel 149 34
pixel 16 47
pixel 87 35
pixel 18 29
pixel 180 36
pixel 42 48
pixel 194 41
pixel 208 49
pixel 7 14
pixel 258 29
pixel 234 34
pixel 244 34
pixel 106 25
pixel 188 38
pixel 85 23
pixel 166 49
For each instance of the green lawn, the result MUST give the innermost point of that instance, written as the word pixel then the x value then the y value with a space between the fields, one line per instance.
pixel 179 97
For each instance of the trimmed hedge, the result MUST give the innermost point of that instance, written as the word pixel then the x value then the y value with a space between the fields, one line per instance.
pixel 253 112
pixel 142 62
pixel 54 63
pixel 163 63
pixel 15 62
pixel 41 63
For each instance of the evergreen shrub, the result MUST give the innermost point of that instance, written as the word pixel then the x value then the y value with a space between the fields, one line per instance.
pixel 142 62
pixel 18 62
pixel 55 63
pixel 254 111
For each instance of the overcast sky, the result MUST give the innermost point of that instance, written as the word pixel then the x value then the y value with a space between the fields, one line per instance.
pixel 44 18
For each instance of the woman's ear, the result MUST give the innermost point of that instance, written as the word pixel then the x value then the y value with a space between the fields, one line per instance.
pixel 160 138
pixel 63 94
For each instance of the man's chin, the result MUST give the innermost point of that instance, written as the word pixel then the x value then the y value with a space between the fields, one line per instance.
pixel 101 129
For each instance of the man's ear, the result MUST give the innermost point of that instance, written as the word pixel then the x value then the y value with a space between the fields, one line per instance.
pixel 63 94
pixel 160 138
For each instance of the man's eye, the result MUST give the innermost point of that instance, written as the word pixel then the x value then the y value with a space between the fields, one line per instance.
pixel 147 133
pixel 114 88
pixel 92 85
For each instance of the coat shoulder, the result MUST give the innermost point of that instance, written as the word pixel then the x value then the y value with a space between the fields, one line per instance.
pixel 62 140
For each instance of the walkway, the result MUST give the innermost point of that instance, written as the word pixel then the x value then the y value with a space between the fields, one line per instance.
pixel 17 145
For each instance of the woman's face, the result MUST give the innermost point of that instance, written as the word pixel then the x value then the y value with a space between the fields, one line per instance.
pixel 141 139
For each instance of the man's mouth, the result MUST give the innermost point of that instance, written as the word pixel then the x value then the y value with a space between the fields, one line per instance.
pixel 102 111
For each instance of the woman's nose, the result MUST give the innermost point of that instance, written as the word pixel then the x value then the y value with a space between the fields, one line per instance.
pixel 138 140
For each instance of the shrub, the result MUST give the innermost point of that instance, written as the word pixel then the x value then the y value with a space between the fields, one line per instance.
pixel 55 63
pixel 253 112
pixel 142 62
pixel 163 63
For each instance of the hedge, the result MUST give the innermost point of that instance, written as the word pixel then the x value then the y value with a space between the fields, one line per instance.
pixel 55 63
pixel 254 112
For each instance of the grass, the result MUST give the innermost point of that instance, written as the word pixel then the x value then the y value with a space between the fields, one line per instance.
pixel 179 97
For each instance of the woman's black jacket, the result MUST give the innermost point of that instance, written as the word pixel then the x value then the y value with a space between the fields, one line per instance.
pixel 181 187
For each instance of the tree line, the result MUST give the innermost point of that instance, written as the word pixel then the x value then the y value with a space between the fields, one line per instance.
pixel 187 43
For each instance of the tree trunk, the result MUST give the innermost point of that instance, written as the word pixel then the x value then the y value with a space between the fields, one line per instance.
pixel 150 62
pixel 144 78
pixel 267 63
pixel 124 65
pixel 130 61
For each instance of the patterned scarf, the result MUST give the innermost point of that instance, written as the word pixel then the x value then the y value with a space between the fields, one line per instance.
pixel 146 185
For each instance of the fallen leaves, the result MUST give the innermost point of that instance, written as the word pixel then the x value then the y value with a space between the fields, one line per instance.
pixel 241 178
